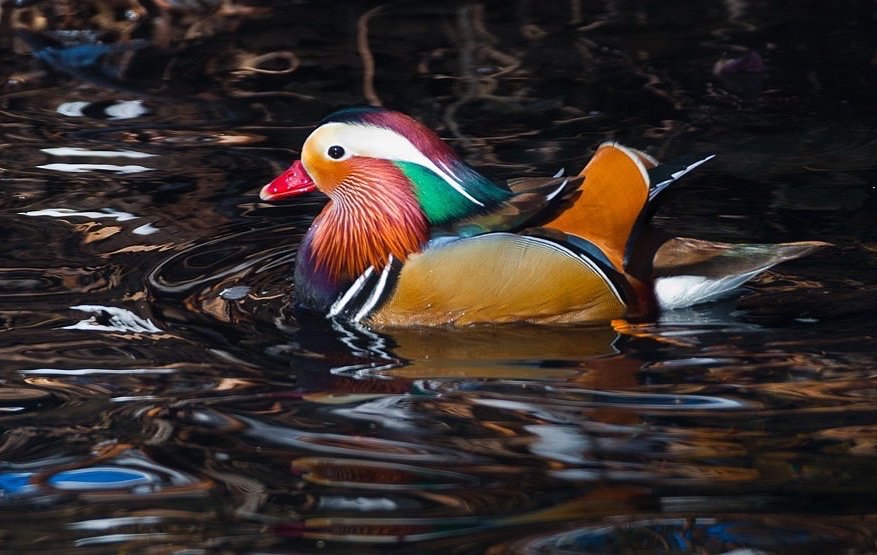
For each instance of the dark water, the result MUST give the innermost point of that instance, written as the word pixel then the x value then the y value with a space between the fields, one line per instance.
pixel 156 396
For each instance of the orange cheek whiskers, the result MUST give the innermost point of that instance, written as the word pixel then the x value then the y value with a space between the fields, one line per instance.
pixel 373 214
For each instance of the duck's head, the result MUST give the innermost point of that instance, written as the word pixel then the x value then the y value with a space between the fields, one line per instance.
pixel 361 150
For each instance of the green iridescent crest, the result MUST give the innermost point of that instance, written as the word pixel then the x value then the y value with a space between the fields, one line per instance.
pixel 441 203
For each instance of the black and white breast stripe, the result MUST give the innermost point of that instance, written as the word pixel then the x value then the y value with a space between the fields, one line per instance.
pixel 368 292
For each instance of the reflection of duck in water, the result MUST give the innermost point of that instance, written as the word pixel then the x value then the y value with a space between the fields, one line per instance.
pixel 440 352
pixel 414 236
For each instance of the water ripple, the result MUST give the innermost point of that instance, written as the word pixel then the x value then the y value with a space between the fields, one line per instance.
pixel 337 444
pixel 159 394
pixel 361 474
pixel 510 391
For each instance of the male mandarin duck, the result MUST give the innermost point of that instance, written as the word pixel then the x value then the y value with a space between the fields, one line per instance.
pixel 413 236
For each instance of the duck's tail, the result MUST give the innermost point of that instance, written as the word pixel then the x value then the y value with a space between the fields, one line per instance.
pixel 691 271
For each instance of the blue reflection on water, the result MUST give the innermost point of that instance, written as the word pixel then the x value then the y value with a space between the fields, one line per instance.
pixel 101 477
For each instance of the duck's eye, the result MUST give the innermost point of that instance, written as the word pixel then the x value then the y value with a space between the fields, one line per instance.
pixel 335 152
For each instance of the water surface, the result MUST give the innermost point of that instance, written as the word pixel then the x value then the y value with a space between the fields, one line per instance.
pixel 158 394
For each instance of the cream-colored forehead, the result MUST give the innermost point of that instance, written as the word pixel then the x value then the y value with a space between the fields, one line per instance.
pixel 363 140
pixel 322 138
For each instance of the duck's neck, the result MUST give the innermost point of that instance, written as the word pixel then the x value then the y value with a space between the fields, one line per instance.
pixel 371 216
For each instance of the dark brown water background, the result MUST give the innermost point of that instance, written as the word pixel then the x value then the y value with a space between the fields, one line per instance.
pixel 156 396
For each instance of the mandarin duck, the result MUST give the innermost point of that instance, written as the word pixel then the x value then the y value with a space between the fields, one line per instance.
pixel 413 236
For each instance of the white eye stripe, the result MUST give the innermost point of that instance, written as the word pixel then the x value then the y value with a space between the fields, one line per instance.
pixel 377 142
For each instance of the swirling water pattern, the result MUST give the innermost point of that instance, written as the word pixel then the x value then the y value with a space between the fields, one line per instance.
pixel 158 395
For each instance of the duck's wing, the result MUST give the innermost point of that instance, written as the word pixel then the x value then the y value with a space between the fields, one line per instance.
pixel 490 278
pixel 603 204
pixel 691 271
pixel 609 202
pixel 531 196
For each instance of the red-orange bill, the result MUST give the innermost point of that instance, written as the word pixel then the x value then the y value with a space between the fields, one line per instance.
pixel 293 182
